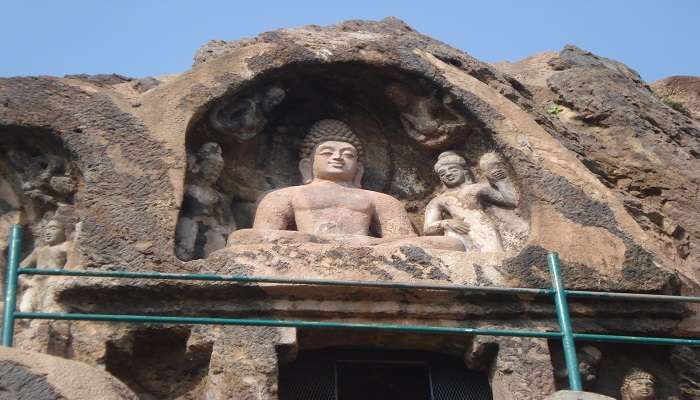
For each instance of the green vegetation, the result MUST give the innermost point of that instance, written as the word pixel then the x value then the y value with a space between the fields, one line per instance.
pixel 676 105
pixel 555 109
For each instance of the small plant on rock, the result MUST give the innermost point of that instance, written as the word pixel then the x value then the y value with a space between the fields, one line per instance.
pixel 555 109
pixel 676 105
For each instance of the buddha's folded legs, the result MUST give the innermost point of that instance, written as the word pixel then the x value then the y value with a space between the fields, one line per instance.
pixel 258 236
pixel 426 242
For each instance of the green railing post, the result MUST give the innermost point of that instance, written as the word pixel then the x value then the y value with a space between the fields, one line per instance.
pixel 13 254
pixel 567 337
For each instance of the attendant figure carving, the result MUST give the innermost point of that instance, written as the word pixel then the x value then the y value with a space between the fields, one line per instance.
pixel 206 220
pixel 331 205
pixel 52 254
pixel 458 212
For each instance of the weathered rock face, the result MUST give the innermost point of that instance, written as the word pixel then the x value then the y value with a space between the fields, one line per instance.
pixel 25 376
pixel 682 93
pixel 638 146
pixel 149 166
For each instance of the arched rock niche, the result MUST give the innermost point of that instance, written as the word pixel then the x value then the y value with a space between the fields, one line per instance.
pixel 38 183
pixel 403 119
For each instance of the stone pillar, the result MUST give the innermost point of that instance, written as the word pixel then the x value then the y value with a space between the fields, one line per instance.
pixel 519 368
pixel 245 361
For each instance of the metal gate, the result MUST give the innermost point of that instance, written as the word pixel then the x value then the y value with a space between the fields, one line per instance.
pixel 380 375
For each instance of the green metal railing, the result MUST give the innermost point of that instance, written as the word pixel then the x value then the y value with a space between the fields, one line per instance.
pixel 558 292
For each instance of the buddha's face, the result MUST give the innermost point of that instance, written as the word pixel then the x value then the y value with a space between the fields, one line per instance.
pixel 452 175
pixel 335 161
pixel 53 234
pixel 641 389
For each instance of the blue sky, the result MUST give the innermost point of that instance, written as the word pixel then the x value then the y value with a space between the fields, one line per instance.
pixel 141 38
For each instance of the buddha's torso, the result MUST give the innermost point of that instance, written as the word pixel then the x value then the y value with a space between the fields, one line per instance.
pixel 329 208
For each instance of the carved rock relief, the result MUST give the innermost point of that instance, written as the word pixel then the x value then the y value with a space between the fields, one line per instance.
pixel 402 123
pixel 38 190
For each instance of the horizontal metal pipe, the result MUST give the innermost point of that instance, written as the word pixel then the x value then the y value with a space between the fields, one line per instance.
pixel 285 323
pixel 331 282
pixel 631 296
pixel 636 339
pixel 295 281
pixel 349 325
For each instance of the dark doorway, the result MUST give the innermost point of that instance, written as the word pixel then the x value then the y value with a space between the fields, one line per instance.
pixel 380 375
pixel 382 380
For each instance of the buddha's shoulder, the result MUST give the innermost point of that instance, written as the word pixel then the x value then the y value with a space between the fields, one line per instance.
pixel 279 194
pixel 381 197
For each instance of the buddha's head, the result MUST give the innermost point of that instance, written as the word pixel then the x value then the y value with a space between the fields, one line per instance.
pixel 54 233
pixel 331 151
pixel 452 169
pixel 638 385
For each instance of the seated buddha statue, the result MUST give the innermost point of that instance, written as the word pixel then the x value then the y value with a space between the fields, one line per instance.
pixel 331 206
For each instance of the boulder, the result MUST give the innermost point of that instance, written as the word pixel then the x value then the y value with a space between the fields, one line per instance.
pixel 28 375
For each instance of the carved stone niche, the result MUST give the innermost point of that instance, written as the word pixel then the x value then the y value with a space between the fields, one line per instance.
pixel 404 122
pixel 610 363
pixel 38 186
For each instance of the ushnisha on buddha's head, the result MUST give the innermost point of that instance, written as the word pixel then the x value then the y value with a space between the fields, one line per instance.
pixel 452 169
pixel 331 151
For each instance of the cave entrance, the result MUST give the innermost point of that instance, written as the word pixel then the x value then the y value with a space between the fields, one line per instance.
pixel 378 375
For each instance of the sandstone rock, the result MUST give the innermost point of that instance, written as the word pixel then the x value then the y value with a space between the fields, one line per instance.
pixel 34 376
pixel 102 80
pixel 644 150
pixel 682 93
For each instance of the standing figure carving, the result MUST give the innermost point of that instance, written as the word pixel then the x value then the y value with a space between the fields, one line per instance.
pixel 638 385
pixel 53 253
pixel 459 211
pixel 589 358
pixel 205 221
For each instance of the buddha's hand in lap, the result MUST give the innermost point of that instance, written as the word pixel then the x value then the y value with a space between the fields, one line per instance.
pixel 448 225
pixel 455 226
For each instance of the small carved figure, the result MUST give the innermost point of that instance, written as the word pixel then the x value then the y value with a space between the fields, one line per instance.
pixel 245 118
pixel 331 206
pixel 52 254
pixel 205 221
pixel 45 178
pixel 589 358
pixel 638 385
pixel 459 211
pixel 432 121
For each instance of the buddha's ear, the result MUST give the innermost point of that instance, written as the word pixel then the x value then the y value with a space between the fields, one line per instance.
pixel 357 181
pixel 306 169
